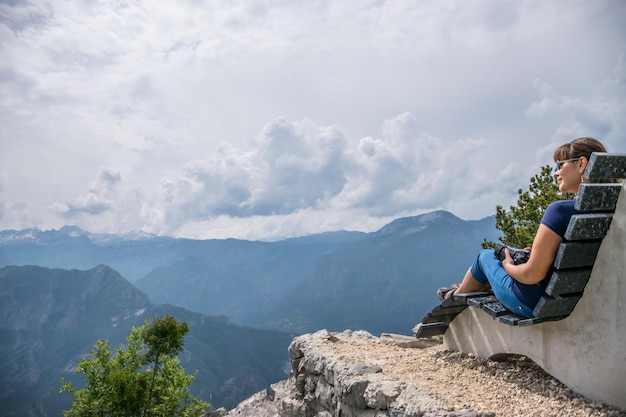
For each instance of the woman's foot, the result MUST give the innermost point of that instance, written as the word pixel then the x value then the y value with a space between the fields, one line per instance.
pixel 444 293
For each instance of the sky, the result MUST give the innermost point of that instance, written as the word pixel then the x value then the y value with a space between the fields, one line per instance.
pixel 270 119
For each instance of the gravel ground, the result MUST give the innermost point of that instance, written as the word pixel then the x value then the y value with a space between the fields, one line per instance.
pixel 514 387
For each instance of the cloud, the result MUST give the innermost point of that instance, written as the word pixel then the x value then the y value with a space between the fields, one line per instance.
pixel 294 165
pixel 97 200
pixel 603 114
pixel 262 118
pixel 303 166
pixel 390 168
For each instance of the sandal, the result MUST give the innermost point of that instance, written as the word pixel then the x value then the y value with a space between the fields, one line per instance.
pixel 443 293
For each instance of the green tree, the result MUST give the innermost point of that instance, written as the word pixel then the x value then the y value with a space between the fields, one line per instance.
pixel 164 339
pixel 520 223
pixel 144 378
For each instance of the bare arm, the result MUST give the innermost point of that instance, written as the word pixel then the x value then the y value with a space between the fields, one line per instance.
pixel 545 246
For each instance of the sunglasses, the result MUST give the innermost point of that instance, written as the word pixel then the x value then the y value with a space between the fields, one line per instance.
pixel 559 164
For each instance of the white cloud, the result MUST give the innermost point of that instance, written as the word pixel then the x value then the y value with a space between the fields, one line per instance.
pixel 300 167
pixel 97 200
pixel 294 165
pixel 602 114
pixel 265 118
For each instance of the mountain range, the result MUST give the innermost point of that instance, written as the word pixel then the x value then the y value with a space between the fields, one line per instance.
pixel 243 299
pixel 386 282
pixel 379 281
pixel 51 318
pixel 135 255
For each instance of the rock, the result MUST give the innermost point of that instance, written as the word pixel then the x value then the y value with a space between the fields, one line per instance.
pixel 324 385
pixel 362 369
pixel 220 412
pixel 408 341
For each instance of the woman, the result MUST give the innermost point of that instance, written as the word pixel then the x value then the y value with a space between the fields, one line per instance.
pixel 519 287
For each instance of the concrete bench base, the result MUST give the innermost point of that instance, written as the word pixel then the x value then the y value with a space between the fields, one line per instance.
pixel 587 350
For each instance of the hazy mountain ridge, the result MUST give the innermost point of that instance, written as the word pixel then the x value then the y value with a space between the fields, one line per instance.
pixel 415 224
pixel 236 279
pixel 136 254
pixel 376 281
pixel 361 285
pixel 50 318
pixel 75 232
pixel 387 282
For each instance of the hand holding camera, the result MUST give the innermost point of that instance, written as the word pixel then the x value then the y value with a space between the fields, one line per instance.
pixel 519 256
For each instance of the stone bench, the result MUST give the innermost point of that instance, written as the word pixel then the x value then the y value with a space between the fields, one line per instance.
pixel 580 340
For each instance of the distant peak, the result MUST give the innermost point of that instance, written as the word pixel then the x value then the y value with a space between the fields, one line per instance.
pixel 415 224
pixel 72 231
pixel 434 215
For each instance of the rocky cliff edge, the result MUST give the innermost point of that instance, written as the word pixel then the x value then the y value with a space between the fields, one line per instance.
pixel 355 374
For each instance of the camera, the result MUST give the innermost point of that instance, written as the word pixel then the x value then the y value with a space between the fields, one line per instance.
pixel 519 256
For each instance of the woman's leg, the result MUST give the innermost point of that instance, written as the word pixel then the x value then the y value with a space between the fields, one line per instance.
pixel 488 269
pixel 470 284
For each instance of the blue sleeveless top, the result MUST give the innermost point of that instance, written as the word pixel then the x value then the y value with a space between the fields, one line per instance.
pixel 556 218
